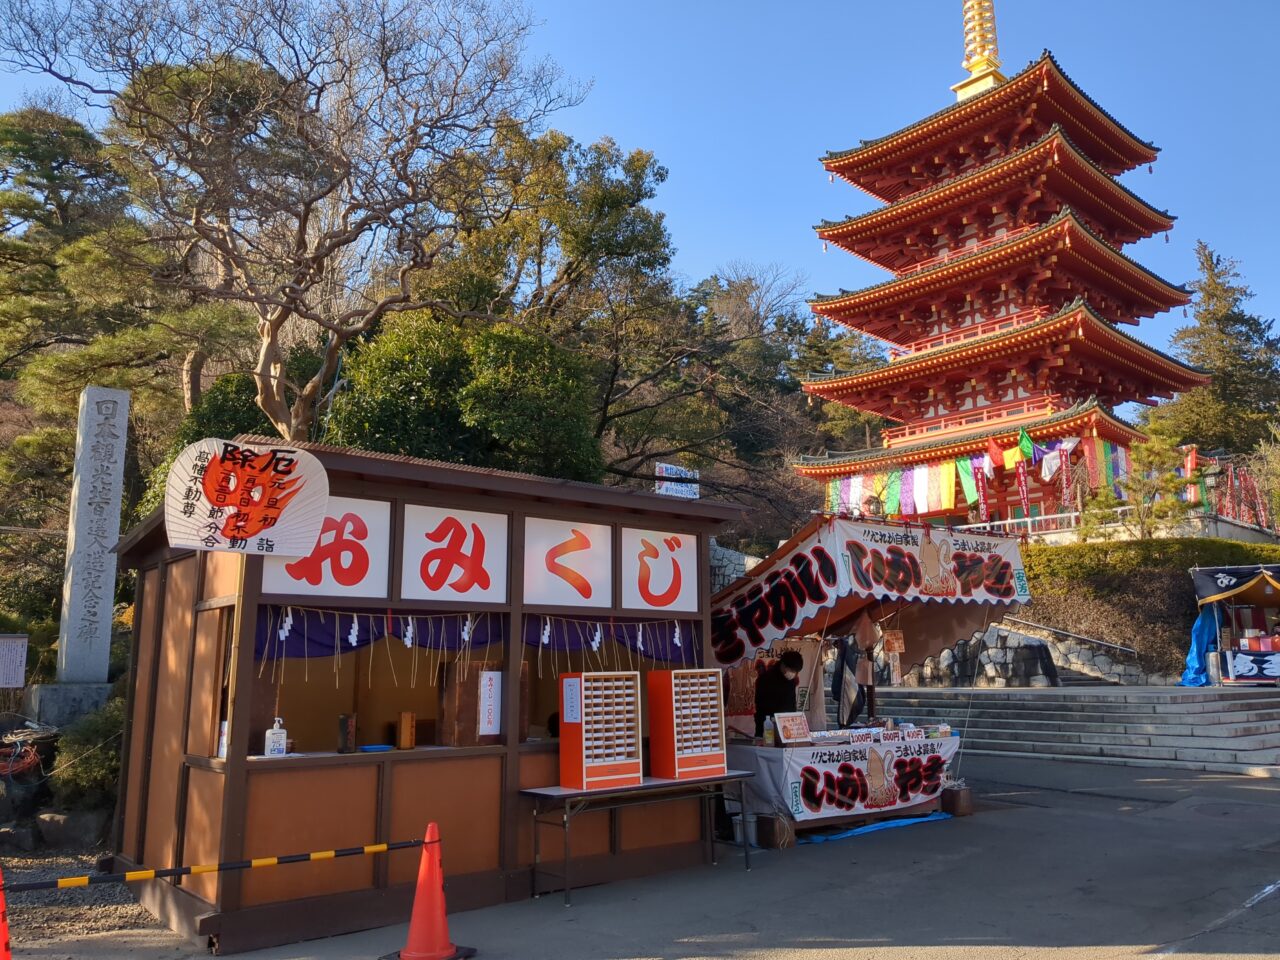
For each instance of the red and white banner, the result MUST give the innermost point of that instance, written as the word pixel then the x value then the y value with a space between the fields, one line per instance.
pixel 350 558
pixel 268 500
pixel 659 571
pixel 839 558
pixel 454 555
pixel 1024 496
pixel 886 772
pixel 567 564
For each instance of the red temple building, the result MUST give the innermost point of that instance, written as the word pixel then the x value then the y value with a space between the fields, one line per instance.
pixel 1004 234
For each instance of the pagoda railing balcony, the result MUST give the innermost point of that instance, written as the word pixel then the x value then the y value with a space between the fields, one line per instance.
pixel 969 419
pixel 968 250
pixel 1009 321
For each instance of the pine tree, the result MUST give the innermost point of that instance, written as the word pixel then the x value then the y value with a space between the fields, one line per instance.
pixel 1239 350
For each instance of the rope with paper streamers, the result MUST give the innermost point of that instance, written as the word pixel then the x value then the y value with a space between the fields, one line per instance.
pixel 666 641
pixel 426 635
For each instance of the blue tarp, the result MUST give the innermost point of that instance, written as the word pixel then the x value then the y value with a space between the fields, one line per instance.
pixel 1204 637
pixel 871 828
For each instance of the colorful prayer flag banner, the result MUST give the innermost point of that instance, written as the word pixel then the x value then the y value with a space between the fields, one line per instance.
pixel 964 468
pixel 947 484
pixel 1026 445
pixel 981 466
pixel 893 492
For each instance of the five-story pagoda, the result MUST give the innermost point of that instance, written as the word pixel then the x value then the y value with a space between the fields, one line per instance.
pixel 1004 233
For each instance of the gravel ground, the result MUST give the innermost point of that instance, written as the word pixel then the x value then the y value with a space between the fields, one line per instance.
pixel 57 924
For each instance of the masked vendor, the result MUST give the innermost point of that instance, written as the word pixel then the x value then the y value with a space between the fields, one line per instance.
pixel 776 687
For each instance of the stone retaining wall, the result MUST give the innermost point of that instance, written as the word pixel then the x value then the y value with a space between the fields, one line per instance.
pixel 1004 657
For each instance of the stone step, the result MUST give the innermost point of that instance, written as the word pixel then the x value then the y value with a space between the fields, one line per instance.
pixel 1245 769
pixel 958 713
pixel 1124 694
pixel 1183 694
pixel 1124 741
pixel 1251 757
pixel 1100 705
pixel 1205 731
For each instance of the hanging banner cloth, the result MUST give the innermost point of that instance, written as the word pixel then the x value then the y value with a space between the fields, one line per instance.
pixel 833 567
pixel 947 484
pixel 291 631
pixel 964 468
pixel 1255 584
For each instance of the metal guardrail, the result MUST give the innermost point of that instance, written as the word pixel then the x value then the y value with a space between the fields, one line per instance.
pixel 1074 636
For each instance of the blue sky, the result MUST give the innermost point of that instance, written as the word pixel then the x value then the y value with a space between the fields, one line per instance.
pixel 739 99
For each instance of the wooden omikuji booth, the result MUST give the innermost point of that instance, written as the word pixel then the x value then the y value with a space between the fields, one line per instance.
pixel 424 572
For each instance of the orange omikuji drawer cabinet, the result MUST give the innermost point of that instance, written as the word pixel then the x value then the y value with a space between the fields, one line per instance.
pixel 600 730
pixel 686 724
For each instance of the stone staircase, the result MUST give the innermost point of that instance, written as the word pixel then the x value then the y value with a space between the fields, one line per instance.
pixel 1224 731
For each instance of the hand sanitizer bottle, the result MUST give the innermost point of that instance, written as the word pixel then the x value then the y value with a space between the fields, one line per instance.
pixel 770 732
pixel 276 740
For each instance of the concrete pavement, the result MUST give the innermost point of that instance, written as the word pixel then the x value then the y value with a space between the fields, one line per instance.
pixel 1060 861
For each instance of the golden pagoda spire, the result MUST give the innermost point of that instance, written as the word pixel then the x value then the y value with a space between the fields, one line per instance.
pixel 981 50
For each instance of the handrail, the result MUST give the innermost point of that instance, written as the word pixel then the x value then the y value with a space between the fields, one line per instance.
pixel 958 252
pixel 1074 636
pixel 964 418
pixel 1009 321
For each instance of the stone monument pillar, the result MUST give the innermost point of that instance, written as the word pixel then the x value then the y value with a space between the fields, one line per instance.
pixel 88 588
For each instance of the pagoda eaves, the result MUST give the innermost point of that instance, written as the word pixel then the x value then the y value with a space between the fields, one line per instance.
pixel 1028 104
pixel 1083 417
pixel 1062 257
pixel 1071 352
pixel 1029 185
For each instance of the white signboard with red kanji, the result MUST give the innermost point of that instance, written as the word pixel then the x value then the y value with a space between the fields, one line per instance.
pixel 659 571
pixel 567 564
pixel 454 555
pixel 268 500
pixel 351 558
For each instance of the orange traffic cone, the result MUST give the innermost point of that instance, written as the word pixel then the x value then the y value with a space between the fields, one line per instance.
pixel 5 952
pixel 428 926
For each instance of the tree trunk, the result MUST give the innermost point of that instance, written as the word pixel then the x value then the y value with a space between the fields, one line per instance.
pixel 192 370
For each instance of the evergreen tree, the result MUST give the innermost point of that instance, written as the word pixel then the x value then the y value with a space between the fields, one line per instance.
pixel 1242 353
pixel 828 348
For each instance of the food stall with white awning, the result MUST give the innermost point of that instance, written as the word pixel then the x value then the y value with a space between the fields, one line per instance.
pixel 837 577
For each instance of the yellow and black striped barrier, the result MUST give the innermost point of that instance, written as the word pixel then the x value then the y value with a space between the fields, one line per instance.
pixel 133 876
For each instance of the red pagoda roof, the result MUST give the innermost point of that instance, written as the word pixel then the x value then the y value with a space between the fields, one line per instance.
pixel 1065 173
pixel 1069 245
pixel 1088 415
pixel 1042 88
pixel 1098 350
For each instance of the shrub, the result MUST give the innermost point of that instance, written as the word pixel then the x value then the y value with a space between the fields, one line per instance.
pixel 87 770
pixel 1133 592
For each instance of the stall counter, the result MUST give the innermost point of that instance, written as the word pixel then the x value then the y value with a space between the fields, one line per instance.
pixel 882 774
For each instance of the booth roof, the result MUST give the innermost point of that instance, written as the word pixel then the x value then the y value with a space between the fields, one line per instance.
pixel 1257 584
pixel 417 471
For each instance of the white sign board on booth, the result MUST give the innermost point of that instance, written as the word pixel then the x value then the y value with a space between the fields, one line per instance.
pixel 659 571
pixel 454 555
pixel 351 557
pixel 268 500
pixel 567 564
pixel 490 703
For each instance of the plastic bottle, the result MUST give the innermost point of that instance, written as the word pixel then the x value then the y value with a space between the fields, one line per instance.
pixel 770 732
pixel 277 740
